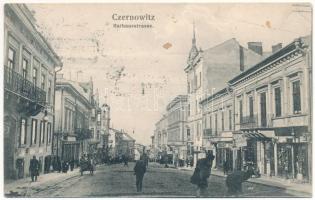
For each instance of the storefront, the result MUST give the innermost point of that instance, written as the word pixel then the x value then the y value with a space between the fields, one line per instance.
pixel 292 153
pixel 70 151
pixel 292 160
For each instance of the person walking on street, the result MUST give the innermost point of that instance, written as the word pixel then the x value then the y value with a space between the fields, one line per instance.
pixel 139 170
pixel 202 173
pixel 72 165
pixel 225 167
pixel 34 168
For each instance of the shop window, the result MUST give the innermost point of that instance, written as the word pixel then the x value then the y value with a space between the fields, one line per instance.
pixel 296 92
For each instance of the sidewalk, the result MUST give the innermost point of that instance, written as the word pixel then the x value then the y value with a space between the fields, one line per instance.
pixel 24 187
pixel 290 186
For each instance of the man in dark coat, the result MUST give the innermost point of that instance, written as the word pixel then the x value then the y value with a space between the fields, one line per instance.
pixel 139 170
pixel 34 168
pixel 202 173
pixel 234 181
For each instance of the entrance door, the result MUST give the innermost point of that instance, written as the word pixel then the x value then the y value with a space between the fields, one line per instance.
pixel 285 160
pixel 9 138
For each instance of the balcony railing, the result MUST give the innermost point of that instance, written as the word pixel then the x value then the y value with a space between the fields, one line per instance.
pixel 16 83
pixel 83 133
pixel 250 122
pixel 207 133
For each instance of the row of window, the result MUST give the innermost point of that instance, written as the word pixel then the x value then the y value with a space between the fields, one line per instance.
pixel 44 135
pixel 11 64
pixel 277 98
pixel 211 123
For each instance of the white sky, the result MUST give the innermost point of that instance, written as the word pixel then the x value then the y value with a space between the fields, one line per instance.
pixel 83 35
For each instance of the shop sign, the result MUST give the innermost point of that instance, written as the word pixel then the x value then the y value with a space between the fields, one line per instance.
pixel 224 145
pixel 240 141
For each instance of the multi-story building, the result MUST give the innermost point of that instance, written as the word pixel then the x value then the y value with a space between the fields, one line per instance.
pixel 29 79
pixel 160 137
pixel 124 145
pixel 218 126
pixel 207 72
pixel 73 135
pixel 271 114
pixel 177 137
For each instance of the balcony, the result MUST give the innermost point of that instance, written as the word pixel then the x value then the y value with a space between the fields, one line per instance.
pixel 251 122
pixel 27 95
pixel 207 133
pixel 83 133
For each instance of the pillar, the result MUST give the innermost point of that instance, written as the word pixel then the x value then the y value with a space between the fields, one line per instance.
pixel 275 149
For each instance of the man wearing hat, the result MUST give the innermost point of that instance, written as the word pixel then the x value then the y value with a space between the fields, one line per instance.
pixel 139 170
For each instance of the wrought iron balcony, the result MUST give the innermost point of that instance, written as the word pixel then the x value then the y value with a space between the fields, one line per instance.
pixel 207 133
pixel 251 122
pixel 18 85
pixel 83 133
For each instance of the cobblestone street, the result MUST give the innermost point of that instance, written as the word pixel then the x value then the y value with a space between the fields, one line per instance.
pixel 117 180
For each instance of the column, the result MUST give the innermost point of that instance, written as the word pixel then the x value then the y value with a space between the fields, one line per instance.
pixel 275 158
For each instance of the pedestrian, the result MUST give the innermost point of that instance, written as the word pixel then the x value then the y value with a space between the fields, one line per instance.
pixel 202 173
pixel 225 167
pixel 126 161
pixel 234 181
pixel 72 165
pixel 59 166
pixel 34 168
pixel 139 170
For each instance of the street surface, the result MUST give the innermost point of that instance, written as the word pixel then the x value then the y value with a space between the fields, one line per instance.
pixel 119 181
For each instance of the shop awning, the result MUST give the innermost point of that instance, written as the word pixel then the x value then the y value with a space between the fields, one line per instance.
pixel 256 135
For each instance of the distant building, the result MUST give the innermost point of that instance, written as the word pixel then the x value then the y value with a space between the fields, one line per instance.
pixel 176 128
pixel 124 144
pixel 29 81
pixel 207 72
pixel 160 137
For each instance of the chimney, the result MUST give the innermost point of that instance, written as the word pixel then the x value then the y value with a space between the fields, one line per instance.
pixel 276 47
pixel 256 47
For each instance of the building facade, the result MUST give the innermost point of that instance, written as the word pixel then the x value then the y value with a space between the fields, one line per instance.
pixel 29 79
pixel 207 72
pixel 176 128
pixel 160 138
pixel 218 127
pixel 271 115
pixel 73 135
pixel 273 112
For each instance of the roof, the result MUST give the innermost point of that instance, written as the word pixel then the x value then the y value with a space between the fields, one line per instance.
pixel 176 100
pixel 75 86
pixel 30 20
pixel 294 45
pixel 220 93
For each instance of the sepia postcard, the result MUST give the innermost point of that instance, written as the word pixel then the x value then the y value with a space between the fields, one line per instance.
pixel 157 100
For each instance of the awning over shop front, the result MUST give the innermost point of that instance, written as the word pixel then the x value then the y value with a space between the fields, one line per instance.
pixel 256 135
